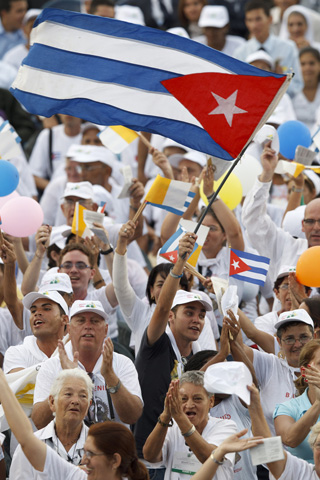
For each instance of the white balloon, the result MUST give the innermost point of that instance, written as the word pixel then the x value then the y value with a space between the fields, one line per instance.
pixel 247 171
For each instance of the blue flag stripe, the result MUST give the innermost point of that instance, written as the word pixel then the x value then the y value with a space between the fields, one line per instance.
pixel 107 115
pixel 243 278
pixel 251 256
pixel 98 69
pixel 147 35
pixel 262 271
pixel 169 209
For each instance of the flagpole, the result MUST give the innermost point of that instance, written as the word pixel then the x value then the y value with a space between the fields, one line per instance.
pixel 235 163
pixel 195 272
pixel 139 211
pixel 145 140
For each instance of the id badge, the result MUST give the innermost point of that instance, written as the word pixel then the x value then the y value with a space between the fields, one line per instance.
pixel 185 463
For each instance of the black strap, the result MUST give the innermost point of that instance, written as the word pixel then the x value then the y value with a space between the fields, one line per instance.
pixel 50 151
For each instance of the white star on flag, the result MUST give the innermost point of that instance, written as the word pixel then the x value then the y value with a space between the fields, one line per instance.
pixel 235 265
pixel 171 258
pixel 227 107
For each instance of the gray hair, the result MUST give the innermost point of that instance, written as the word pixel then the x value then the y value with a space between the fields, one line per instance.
pixel 196 377
pixel 314 432
pixel 72 373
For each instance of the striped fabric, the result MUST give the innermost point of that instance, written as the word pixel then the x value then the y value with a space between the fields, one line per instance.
pixel 113 73
pixel 170 195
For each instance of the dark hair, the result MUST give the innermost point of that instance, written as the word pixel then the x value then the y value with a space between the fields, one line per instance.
pixel 284 327
pixel 312 51
pixel 184 22
pixel 52 248
pixel 256 4
pixel 211 213
pixel 306 355
pixel 199 359
pixel 280 280
pixel 313 305
pixel 77 246
pixel 96 3
pixel 113 437
pixel 6 4
pixel 163 269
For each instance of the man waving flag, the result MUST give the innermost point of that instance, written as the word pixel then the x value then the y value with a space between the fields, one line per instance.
pixel 117 73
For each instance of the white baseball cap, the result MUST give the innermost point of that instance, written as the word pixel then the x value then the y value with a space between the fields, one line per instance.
pixel 214 16
pixel 196 157
pixel 285 270
pixel 180 31
pixel 92 153
pixel 53 295
pixel 182 297
pixel 299 315
pixel 78 189
pixel 95 306
pixel 56 281
pixel 129 13
pixel 32 13
pixel 262 56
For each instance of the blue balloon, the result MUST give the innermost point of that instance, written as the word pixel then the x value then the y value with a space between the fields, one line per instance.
pixel 9 178
pixel 291 134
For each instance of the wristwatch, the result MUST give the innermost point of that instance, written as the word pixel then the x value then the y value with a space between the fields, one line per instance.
pixel 115 388
pixel 106 252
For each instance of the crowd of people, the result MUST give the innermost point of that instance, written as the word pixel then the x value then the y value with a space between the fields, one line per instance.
pixel 106 346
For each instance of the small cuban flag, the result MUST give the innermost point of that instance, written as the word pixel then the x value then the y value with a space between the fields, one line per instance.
pixel 248 267
pixel 170 249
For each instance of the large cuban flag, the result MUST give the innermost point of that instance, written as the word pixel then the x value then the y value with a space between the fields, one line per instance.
pixel 117 73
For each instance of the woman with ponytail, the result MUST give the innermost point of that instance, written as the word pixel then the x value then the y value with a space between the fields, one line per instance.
pixel 294 418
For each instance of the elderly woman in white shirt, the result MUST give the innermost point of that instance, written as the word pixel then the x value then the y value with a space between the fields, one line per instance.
pixel 69 400
pixel 194 434
pixel 109 450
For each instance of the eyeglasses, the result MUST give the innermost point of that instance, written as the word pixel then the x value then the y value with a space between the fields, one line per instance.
pixel 78 265
pixel 70 203
pixel 89 454
pixel 292 340
pixel 89 168
pixel 284 286
pixel 311 221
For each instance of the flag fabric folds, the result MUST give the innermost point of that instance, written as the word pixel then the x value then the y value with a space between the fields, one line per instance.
pixel 79 226
pixel 248 267
pixel 117 138
pixel 115 73
pixel 170 195
pixel 169 250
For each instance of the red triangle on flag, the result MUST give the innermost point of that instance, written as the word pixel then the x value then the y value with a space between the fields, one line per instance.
pixel 171 256
pixel 229 107
pixel 237 265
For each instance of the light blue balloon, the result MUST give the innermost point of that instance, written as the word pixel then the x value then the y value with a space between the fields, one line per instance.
pixel 291 134
pixel 9 178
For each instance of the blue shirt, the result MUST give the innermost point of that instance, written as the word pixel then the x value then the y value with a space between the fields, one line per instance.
pixel 285 51
pixel 295 408
pixel 9 40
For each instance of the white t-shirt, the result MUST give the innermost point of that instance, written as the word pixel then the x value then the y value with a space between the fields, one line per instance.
pixel 23 356
pixel 56 468
pixel 21 468
pixel 15 56
pixel 175 448
pixel 232 409
pixel 39 159
pixel 123 367
pixel 296 468
pixel 10 334
pixel 266 322
pixel 276 379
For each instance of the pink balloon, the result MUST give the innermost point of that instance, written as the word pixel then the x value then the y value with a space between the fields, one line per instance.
pixel 21 216
pixel 5 199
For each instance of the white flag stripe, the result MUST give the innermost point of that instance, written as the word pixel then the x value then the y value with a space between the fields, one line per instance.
pixel 113 140
pixel 189 226
pixel 116 48
pixel 249 274
pixel 176 195
pixel 63 87
pixel 255 263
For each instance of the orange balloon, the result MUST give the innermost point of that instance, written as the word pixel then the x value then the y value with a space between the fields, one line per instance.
pixel 307 269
